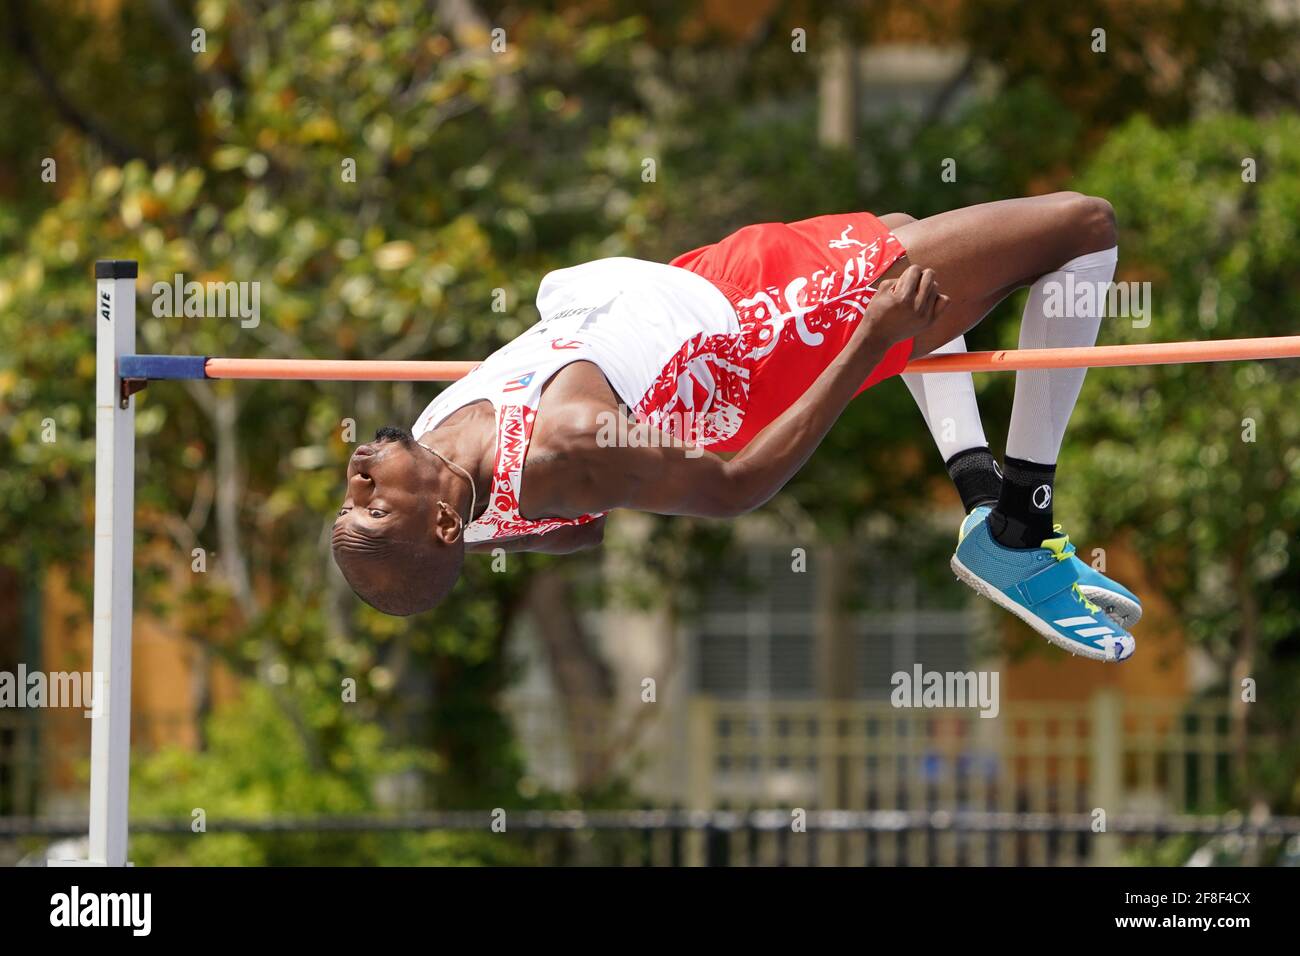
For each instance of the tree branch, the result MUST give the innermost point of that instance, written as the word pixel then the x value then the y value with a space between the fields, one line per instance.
pixel 24 44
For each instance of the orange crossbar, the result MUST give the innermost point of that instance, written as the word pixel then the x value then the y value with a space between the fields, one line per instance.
pixel 335 370
pixel 1110 356
pixel 1100 356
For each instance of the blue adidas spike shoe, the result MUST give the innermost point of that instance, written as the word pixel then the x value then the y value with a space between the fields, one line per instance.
pixel 1041 587
pixel 1120 604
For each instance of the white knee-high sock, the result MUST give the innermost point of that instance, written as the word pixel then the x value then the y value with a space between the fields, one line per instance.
pixel 947 400
pixel 1045 398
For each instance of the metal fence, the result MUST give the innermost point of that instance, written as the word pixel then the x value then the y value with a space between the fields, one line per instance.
pixel 755 838
pixel 1121 756
pixel 906 770
pixel 1053 756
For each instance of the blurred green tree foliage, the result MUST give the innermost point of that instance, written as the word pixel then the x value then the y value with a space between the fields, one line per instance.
pixel 1198 466
pixel 481 161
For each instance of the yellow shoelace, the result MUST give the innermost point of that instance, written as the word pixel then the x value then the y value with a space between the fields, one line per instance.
pixel 1064 553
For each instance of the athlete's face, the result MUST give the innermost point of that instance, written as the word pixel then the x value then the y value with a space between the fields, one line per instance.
pixel 396 540
pixel 382 497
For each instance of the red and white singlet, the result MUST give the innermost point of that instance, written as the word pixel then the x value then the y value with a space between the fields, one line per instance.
pixel 710 348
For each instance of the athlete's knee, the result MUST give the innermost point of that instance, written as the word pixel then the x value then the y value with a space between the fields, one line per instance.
pixel 893 220
pixel 1091 220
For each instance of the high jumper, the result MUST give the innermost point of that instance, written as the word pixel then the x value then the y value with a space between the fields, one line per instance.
pixel 652 373
pixel 752 346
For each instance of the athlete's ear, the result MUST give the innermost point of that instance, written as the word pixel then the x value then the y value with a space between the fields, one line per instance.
pixel 447 523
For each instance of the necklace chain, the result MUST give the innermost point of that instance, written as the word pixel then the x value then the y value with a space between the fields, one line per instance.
pixel 473 492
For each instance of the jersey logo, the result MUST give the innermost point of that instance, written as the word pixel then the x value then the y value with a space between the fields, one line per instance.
pixel 844 242
pixel 566 344
pixel 515 384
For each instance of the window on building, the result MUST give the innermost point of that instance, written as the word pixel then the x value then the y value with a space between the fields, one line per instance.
pixel 756 637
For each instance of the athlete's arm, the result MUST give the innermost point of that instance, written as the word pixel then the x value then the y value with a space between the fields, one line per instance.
pixel 668 480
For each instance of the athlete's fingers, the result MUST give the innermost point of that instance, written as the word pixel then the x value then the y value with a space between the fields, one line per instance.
pixel 926 293
pixel 925 312
pixel 926 280
pixel 942 304
pixel 926 296
pixel 884 285
pixel 907 283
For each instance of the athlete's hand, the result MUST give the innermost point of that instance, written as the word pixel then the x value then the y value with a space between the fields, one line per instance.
pixel 905 307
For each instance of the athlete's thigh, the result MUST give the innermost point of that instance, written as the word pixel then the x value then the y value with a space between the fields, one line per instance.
pixel 981 254
pixel 978 250
pixel 957 318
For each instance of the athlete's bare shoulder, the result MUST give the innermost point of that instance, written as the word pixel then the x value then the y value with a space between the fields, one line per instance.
pixel 574 403
pixel 562 467
pixel 581 381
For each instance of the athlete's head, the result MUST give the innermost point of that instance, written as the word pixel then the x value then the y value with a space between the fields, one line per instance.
pixel 397 539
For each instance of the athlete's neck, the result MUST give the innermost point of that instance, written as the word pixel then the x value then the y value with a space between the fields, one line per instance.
pixel 468 438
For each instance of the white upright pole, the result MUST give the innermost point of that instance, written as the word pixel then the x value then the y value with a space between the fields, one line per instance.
pixel 110 736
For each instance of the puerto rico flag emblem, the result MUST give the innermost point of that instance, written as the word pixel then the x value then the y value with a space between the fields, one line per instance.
pixel 515 384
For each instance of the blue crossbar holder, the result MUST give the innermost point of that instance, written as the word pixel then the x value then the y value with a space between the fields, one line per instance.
pixel 136 371
pixel 151 367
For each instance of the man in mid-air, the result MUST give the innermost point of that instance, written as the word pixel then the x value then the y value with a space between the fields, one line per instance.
pixel 752 346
